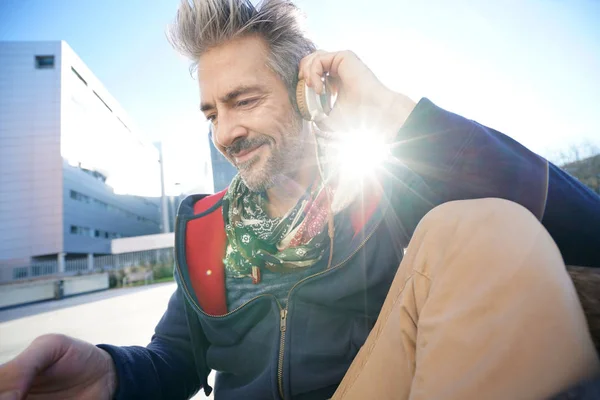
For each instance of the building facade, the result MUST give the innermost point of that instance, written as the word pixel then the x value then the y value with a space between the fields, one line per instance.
pixel 74 173
pixel 222 170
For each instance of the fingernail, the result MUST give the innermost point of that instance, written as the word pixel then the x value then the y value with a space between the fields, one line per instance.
pixel 14 395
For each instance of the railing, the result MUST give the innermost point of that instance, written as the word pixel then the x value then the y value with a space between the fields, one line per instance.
pixel 33 270
pixel 111 262
pixel 77 265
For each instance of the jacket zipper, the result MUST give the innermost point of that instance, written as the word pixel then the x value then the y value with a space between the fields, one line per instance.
pixel 284 311
pixel 282 325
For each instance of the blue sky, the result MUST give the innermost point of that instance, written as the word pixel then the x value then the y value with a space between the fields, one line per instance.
pixel 530 69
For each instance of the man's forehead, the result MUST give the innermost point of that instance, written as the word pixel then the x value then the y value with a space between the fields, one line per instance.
pixel 236 56
pixel 231 76
pixel 227 83
pixel 222 69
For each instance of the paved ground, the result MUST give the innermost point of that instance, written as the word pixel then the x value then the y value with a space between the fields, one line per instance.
pixel 120 317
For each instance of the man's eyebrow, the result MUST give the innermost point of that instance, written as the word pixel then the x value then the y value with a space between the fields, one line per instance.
pixel 239 91
pixel 206 107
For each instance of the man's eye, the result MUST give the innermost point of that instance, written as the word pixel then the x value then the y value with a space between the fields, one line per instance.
pixel 211 118
pixel 246 102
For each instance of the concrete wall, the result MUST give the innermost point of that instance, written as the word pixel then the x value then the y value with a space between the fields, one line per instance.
pixel 143 243
pixel 29 292
pixel 30 161
pixel 84 284
pixel 22 293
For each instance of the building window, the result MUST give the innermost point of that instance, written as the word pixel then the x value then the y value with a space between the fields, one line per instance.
pixel 103 234
pixel 44 62
pixel 20 273
pixel 95 233
pixel 79 76
pixel 80 197
pixel 81 231
pixel 107 207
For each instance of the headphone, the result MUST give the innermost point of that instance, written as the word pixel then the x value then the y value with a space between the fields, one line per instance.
pixel 314 107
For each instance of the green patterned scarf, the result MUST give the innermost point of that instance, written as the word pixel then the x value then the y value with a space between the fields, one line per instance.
pixel 297 240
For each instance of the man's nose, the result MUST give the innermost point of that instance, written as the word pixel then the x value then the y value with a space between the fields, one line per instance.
pixel 228 130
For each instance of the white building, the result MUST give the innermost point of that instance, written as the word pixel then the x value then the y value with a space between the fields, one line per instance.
pixel 73 169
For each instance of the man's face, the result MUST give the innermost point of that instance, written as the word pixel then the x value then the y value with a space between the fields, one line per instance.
pixel 254 124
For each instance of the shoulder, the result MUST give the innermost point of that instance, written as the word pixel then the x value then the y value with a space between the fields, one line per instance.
pixel 210 202
pixel 196 204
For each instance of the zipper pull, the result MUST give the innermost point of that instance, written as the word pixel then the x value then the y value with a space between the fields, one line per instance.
pixel 255 275
pixel 282 320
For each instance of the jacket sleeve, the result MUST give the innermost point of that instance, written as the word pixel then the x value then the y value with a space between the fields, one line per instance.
pixel 439 156
pixel 165 369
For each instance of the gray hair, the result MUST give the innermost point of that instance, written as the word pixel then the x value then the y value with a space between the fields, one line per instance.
pixel 204 24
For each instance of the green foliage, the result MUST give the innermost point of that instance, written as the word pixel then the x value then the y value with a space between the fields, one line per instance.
pixel 115 279
pixel 587 171
pixel 163 270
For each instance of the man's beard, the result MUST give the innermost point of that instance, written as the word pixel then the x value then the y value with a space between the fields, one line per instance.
pixel 280 162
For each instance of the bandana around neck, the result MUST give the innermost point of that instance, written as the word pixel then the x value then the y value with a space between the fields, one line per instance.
pixel 255 240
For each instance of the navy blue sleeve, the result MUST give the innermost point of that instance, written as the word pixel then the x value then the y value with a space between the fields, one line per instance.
pixel 456 158
pixel 587 390
pixel 165 369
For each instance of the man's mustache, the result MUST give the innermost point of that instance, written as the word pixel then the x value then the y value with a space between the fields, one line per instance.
pixel 243 144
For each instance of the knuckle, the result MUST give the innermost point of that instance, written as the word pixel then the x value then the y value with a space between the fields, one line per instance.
pixel 51 338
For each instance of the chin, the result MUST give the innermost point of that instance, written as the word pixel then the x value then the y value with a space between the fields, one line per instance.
pixel 257 179
pixel 255 184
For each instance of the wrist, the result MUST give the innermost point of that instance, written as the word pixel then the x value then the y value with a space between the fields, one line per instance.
pixel 110 374
pixel 397 109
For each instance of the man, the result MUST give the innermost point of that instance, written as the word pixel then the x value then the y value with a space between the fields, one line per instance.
pixel 289 284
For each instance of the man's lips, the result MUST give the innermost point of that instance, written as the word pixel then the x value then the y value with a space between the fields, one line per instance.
pixel 246 155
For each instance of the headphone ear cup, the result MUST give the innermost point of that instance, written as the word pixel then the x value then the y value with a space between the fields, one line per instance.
pixel 301 100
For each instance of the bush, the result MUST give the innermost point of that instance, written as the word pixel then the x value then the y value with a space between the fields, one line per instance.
pixel 112 280
pixel 115 279
pixel 161 271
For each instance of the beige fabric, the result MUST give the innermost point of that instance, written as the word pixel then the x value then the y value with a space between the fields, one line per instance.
pixel 481 308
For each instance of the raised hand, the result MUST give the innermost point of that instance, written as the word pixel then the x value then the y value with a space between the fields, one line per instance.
pixel 363 102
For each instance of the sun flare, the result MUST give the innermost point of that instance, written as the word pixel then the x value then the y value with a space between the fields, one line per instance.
pixel 359 154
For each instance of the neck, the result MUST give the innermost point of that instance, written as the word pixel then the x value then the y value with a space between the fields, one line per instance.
pixel 289 189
